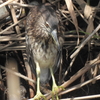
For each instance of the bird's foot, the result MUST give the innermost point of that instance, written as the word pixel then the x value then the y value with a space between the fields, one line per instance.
pixel 39 96
pixel 54 92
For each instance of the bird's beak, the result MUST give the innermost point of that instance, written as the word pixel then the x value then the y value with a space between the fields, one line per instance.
pixel 54 36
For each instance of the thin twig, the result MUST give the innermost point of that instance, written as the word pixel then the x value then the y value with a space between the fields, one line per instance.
pixel 21 5
pixel 84 97
pixel 68 19
pixel 13 13
pixel 69 67
pixel 1 48
pixel 21 47
pixel 53 2
pixel 80 14
pixel 11 38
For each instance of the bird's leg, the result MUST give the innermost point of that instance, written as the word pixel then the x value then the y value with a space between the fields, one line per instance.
pixel 38 77
pixel 54 86
pixel 39 95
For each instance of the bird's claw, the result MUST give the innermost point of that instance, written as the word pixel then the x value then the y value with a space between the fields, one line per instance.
pixel 61 87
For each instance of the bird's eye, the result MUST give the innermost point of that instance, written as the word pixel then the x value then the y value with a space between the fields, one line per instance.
pixel 47 24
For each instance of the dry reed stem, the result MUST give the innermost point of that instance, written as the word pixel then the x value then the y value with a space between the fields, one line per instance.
pixel 79 85
pixel 12 25
pixel 84 42
pixel 6 3
pixel 17 74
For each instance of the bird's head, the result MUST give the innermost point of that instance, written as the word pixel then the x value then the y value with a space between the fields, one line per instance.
pixel 47 21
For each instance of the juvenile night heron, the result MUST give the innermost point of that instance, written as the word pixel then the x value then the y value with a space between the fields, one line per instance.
pixel 42 44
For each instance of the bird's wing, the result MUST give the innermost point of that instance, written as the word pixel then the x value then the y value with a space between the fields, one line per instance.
pixel 61 41
pixel 58 59
pixel 29 55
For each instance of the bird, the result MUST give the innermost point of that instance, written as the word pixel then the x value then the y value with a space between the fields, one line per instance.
pixel 42 44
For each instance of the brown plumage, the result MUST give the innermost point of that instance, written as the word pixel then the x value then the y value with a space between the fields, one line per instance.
pixel 42 44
